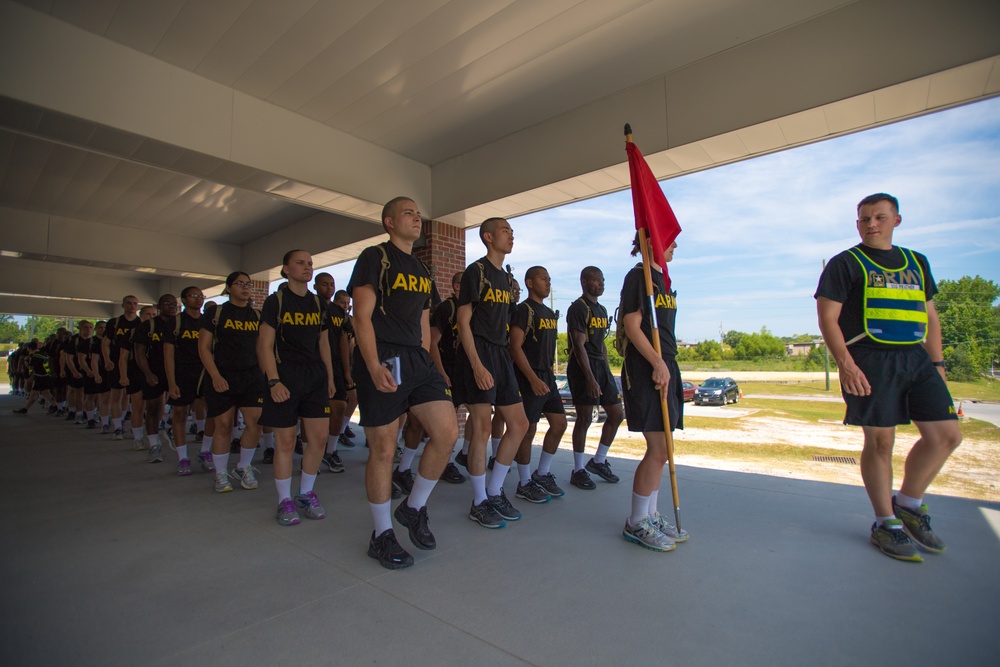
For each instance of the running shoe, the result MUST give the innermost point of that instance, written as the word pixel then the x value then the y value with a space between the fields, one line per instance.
pixel 268 457
pixel 503 507
pixel 670 530
pixel 348 432
pixel 602 470
pixel 156 454
pixel 117 435
pixel 345 441
pixel 234 446
pixel 184 468
pixel 70 416
pixel 416 522
pixel 205 459
pixel 309 504
pixel 581 480
pixel 105 429
pixel 222 484
pixel 53 410
pixel 917 524
pixel 397 457
pixel 892 540
pixel 298 445
pixel 462 459
pixel 395 493
pixel 452 475
pixel 532 492
pixel 286 514
pixel 21 411
pixel 91 423
pixel 138 445
pixel 193 429
pixel 387 551
pixel 646 535
pixel 489 464
pixel 199 437
pixel 548 482
pixel 486 516
pixel 333 462
pixel 247 477
pixel 403 479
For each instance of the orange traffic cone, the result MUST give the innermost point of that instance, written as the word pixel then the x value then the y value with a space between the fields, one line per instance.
pixel 961 415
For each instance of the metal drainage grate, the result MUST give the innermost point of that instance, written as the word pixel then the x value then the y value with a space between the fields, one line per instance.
pixel 836 459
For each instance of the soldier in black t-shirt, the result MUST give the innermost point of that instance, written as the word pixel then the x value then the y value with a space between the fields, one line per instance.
pixel 117 338
pixel 879 322
pixel 38 363
pixel 147 347
pixel 100 386
pixel 80 354
pixel 533 333
pixel 444 344
pixel 486 373
pixel 75 377
pixel 184 370
pixel 325 288
pixel 644 374
pixel 590 379
pixel 227 347
pixel 293 351
pixel 395 373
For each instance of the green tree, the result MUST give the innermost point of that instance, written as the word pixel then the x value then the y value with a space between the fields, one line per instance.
pixel 709 350
pixel 970 324
pixel 42 326
pixel 760 345
pixel 732 338
pixel 10 331
pixel 816 360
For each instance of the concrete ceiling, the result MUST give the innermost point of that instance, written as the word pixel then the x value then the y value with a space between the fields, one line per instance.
pixel 148 144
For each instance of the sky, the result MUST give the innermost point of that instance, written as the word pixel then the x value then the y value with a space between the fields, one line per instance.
pixel 755 233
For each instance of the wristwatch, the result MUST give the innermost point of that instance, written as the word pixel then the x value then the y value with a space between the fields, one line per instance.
pixel 271 383
pixel 939 364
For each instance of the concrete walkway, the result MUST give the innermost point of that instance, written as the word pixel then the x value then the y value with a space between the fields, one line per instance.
pixel 108 560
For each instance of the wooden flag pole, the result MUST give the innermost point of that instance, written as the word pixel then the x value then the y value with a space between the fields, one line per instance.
pixel 646 272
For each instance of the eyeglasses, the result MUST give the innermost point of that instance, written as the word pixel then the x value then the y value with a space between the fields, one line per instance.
pixel 242 283
pixel 195 296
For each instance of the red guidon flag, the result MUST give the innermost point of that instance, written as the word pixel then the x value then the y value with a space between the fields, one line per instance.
pixel 652 212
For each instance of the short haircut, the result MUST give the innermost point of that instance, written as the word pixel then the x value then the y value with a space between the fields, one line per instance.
pixel 322 275
pixel 457 278
pixel 79 325
pixel 876 198
pixel 163 298
pixel 129 296
pixel 533 271
pixel 341 294
pixel 589 272
pixel 184 292
pixel 489 226
pixel 389 210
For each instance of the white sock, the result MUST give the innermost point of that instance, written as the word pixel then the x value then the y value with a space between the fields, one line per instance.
pixel 284 488
pixel 545 463
pixel 579 460
pixel 117 423
pixel 494 445
pixel 246 457
pixel 478 488
pixel 343 427
pixel 523 471
pixel 306 482
pixel 908 502
pixel 640 509
pixel 465 447
pixel 331 444
pixel 182 452
pixel 220 461
pixel 137 433
pixel 406 460
pixel 881 521
pixel 381 516
pixel 421 492
pixel 602 453
pixel 154 440
pixel 268 440
pixel 496 479
pixel 206 442
pixel 200 424
pixel 653 497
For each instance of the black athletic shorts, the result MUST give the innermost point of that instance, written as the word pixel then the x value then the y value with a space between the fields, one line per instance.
pixel 643 410
pixel 496 359
pixel 578 383
pixel 246 390
pixel 76 383
pixel 309 396
pixel 535 406
pixel 150 392
pixel 339 382
pixel 905 387
pixel 188 377
pixel 43 383
pixel 134 375
pixel 420 383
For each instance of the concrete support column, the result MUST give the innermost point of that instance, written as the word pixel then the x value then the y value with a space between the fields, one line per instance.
pixel 442 248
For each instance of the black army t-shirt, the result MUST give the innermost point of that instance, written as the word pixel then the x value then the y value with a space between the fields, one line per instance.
pixel 592 319
pixel 296 327
pixel 186 341
pixel 402 293
pixel 488 289
pixel 634 299
pixel 539 325
pixel 235 335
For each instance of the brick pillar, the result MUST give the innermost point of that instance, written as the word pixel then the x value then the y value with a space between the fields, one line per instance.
pixel 444 252
pixel 260 290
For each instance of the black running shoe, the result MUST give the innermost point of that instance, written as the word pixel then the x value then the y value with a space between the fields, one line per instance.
pixel 333 463
pixel 581 480
pixel 386 550
pixel 503 507
pixel 490 463
pixel 268 456
pixel 345 441
pixel 349 433
pixel 548 482
pixel 416 522
pixel 533 492
pixel 404 480
pixel 234 446
pixel 21 411
pixel 462 459
pixel 298 445
pixel 452 475
pixel 91 423
pixel 70 416
pixel 602 470
pixel 486 516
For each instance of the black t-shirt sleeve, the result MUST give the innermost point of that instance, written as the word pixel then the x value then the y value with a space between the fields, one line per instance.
pixel 269 311
pixel 838 278
pixel 633 294
pixel 366 270
pixel 469 292
pixel 578 317
pixel 205 321
pixel 520 318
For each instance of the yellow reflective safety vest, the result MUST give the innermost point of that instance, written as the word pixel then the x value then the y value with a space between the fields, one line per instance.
pixel 895 306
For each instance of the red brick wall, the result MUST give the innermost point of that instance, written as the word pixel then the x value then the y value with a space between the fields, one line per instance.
pixel 259 292
pixel 444 253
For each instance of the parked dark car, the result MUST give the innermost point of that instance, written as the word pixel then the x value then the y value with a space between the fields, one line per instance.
pixel 689 390
pixel 717 390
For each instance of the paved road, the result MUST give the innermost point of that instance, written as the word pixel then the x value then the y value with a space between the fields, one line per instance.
pixel 989 412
